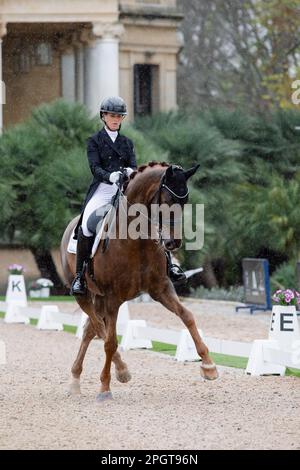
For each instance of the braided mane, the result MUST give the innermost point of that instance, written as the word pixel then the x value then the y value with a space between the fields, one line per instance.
pixel 142 168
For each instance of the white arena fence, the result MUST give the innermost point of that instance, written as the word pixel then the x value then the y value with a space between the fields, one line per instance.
pixel 264 356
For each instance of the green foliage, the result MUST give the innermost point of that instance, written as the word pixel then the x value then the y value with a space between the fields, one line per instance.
pixel 146 150
pixel 44 165
pixel 285 277
pixel 235 294
pixel 248 180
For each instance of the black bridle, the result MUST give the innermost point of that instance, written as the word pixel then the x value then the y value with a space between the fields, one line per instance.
pixel 156 199
pixel 176 198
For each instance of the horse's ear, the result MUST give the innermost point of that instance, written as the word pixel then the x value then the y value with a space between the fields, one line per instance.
pixel 191 171
pixel 169 171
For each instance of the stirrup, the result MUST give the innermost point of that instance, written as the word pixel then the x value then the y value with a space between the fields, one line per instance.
pixel 178 276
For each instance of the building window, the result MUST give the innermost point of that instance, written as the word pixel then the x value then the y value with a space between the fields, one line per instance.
pixel 21 62
pixel 146 89
pixel 43 53
pixel 28 55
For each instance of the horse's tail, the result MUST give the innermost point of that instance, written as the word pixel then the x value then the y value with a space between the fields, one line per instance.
pixel 65 257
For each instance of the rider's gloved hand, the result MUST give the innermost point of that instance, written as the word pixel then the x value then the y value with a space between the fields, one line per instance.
pixel 115 176
pixel 128 171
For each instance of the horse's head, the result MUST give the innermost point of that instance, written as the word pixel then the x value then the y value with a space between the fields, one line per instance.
pixel 174 193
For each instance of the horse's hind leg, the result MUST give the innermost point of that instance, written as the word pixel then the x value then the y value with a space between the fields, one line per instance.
pixel 169 299
pixel 88 335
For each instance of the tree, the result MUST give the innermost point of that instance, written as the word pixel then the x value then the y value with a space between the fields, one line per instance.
pixel 239 52
pixel 44 165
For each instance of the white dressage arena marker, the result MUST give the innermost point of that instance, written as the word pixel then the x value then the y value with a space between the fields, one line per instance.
pixel 15 314
pixel 2 353
pixel 123 318
pixel 80 328
pixel 284 326
pixel 16 291
pixel 272 356
pixel 49 318
pixel 132 338
pixel 186 350
pixel 257 364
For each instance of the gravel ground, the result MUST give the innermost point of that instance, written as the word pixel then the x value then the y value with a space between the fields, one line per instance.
pixel 165 406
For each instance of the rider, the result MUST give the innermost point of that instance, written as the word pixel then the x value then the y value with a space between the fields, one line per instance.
pixel 109 154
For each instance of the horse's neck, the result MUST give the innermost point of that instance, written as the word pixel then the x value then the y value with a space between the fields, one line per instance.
pixel 143 189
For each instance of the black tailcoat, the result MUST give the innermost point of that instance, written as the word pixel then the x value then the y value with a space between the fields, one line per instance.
pixel 105 157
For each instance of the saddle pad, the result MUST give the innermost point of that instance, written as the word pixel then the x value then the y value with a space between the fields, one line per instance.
pixel 72 245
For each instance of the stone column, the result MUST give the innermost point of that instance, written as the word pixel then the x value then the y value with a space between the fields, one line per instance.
pixel 68 74
pixel 79 73
pixel 102 64
pixel 2 84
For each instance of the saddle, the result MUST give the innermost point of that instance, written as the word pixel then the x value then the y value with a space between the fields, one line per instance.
pixel 102 218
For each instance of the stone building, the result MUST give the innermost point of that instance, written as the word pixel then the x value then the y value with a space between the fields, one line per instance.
pixel 84 50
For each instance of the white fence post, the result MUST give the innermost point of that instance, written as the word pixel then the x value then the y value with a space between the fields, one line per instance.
pixel 186 350
pixel 48 318
pixel 2 353
pixel 81 325
pixel 131 339
pixel 15 313
pixel 257 364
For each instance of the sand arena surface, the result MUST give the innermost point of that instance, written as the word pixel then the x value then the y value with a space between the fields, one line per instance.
pixel 166 405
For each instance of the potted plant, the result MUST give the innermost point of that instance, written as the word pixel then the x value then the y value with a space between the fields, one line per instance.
pixel 286 298
pixel 45 285
pixel 16 269
pixel 34 289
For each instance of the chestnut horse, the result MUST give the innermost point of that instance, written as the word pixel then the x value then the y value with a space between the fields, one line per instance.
pixel 128 268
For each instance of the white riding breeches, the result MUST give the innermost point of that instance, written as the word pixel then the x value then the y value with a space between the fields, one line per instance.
pixel 101 196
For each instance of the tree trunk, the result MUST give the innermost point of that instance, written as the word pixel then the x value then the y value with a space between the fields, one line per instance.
pixel 208 275
pixel 47 268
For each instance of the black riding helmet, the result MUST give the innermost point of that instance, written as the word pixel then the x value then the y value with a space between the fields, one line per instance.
pixel 113 105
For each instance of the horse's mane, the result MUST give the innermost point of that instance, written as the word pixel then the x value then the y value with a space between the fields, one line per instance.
pixel 142 168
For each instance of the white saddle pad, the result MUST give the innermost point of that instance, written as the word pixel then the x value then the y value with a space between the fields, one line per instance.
pixel 72 245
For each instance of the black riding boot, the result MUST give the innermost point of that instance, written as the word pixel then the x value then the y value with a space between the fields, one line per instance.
pixel 174 271
pixel 84 246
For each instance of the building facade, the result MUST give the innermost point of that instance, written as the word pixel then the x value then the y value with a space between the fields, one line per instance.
pixel 84 50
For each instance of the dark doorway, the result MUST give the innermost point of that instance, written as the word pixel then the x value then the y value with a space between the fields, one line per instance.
pixel 146 90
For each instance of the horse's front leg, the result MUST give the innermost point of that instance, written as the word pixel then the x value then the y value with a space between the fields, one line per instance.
pixel 110 348
pixel 169 299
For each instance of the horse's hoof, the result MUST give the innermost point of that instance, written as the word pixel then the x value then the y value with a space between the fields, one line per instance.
pixel 209 371
pixel 74 389
pixel 123 376
pixel 104 396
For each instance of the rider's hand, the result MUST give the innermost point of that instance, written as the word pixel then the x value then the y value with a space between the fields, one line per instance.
pixel 115 176
pixel 128 171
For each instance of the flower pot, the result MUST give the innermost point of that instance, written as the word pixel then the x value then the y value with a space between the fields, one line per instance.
pixel 45 292
pixel 35 293
pixel 284 326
